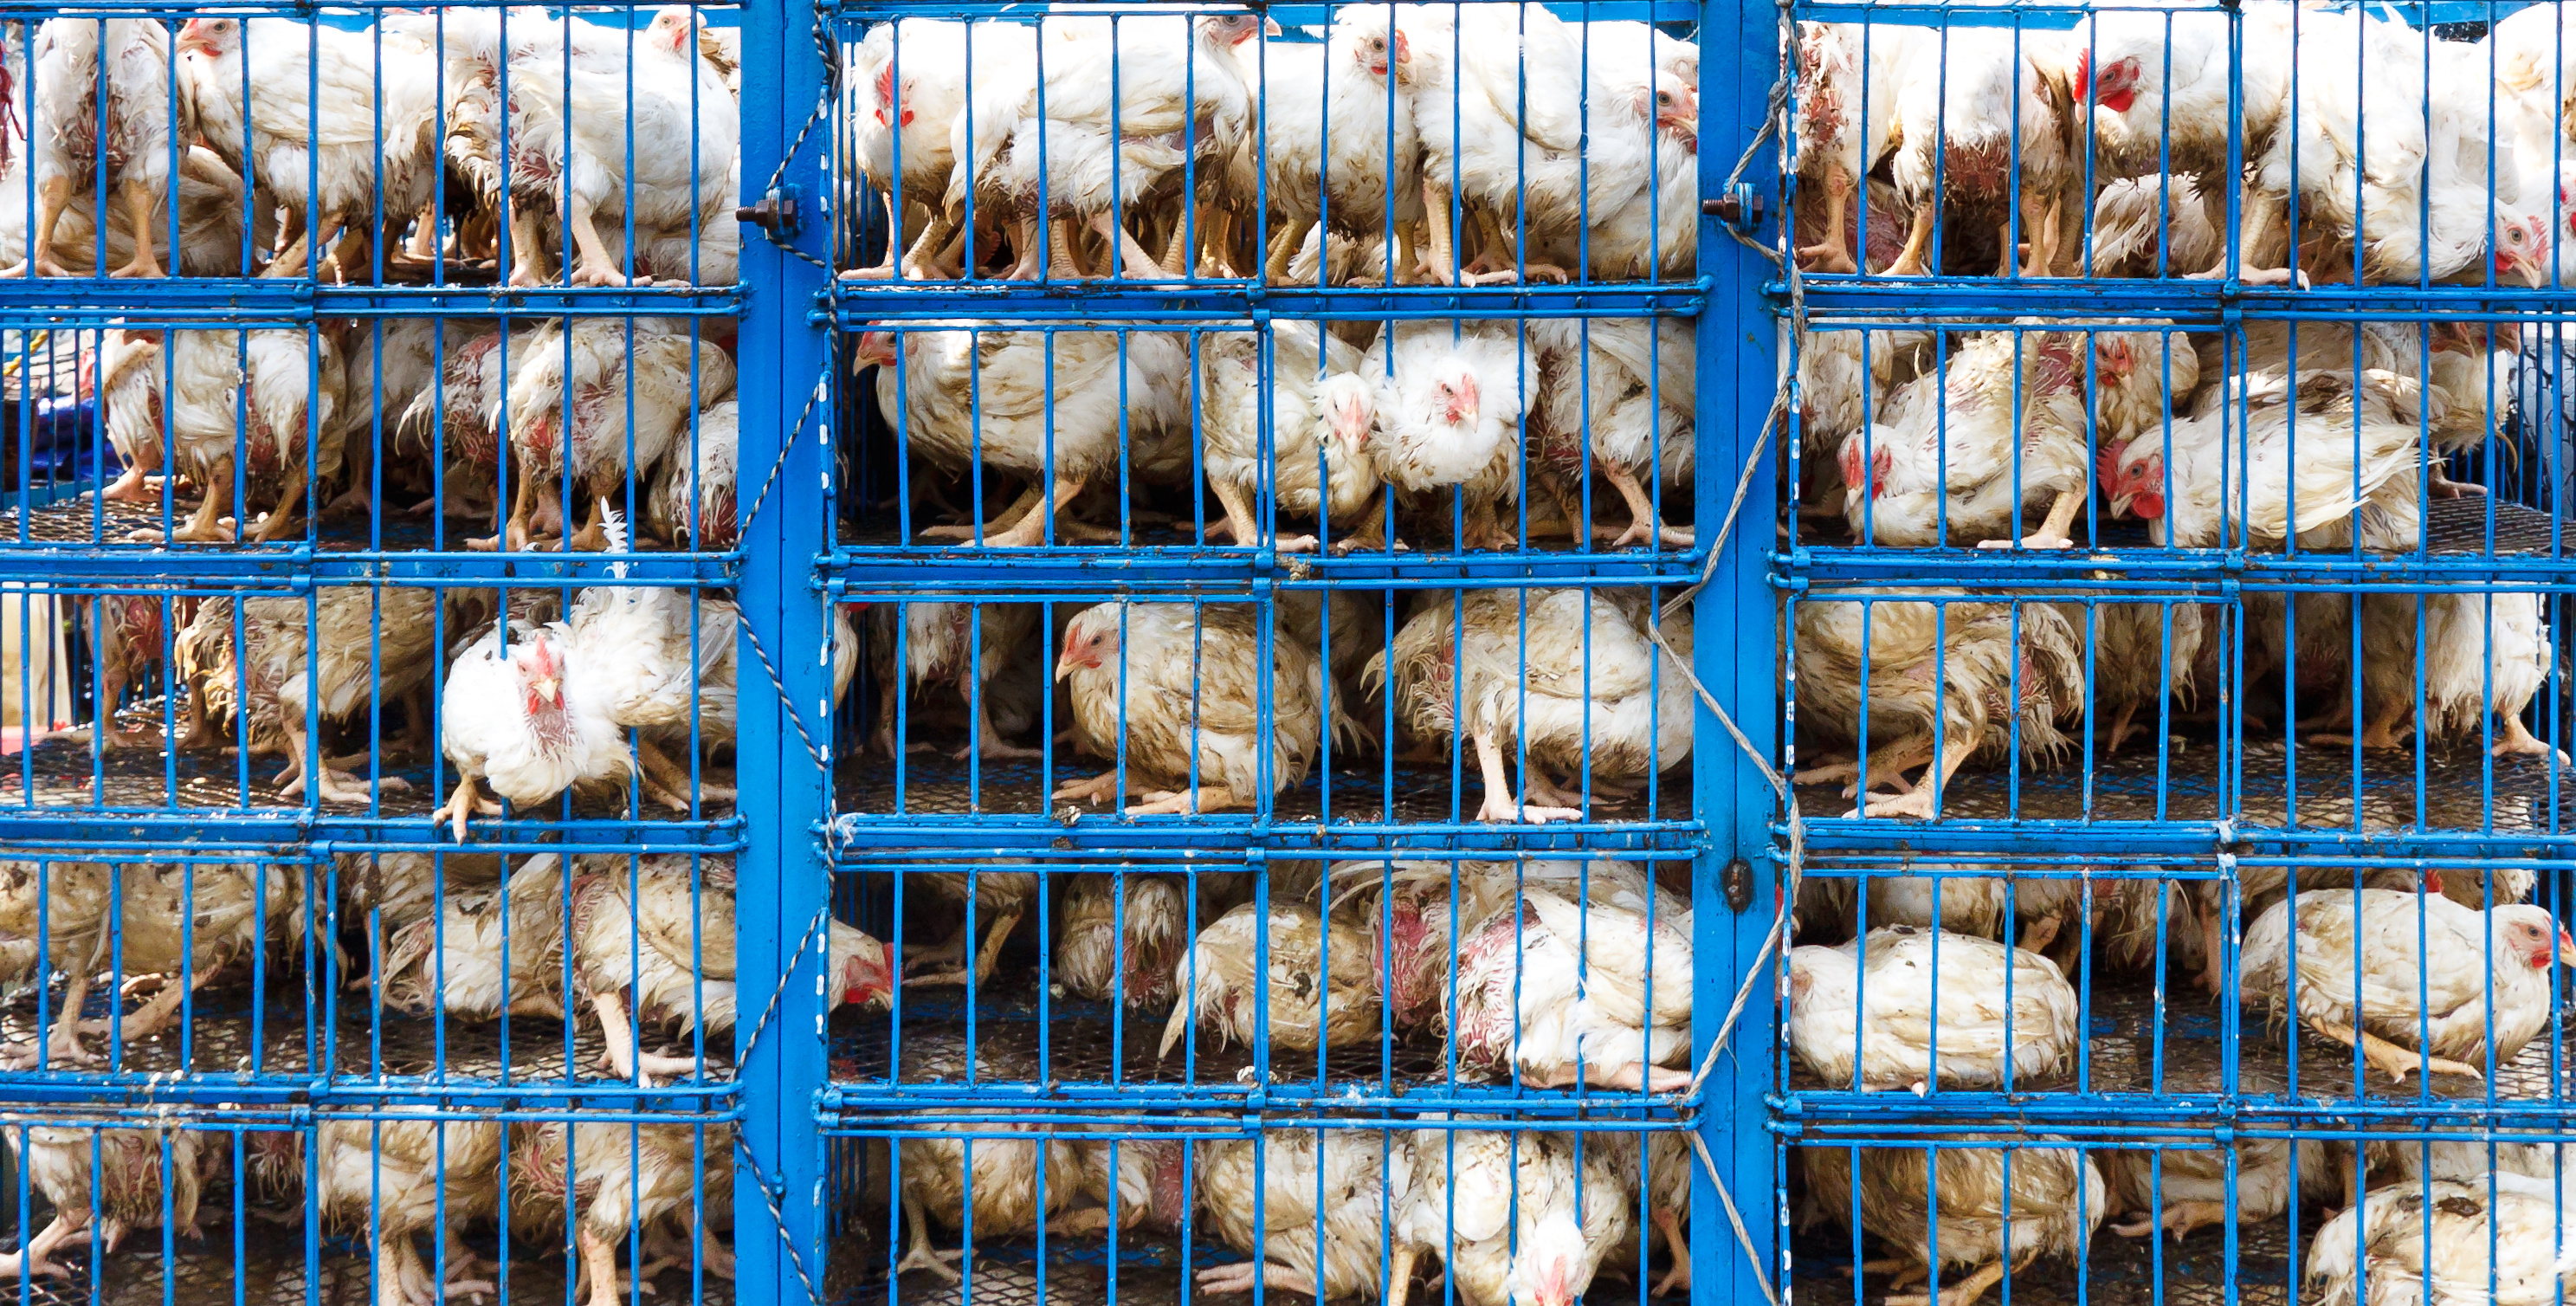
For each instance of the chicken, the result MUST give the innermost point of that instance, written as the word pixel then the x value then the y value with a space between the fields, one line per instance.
pixel 2144 228
pixel 610 1182
pixel 1561 991
pixel 1057 410
pixel 695 497
pixel 1994 1209
pixel 2479 653
pixel 1056 140
pixel 1138 1183
pixel 1313 460
pixel 1281 1008
pixel 51 916
pixel 1171 691
pixel 2447 1015
pixel 211 217
pixel 1122 937
pixel 1945 469
pixel 1642 145
pixel 967 647
pixel 362 143
pixel 1845 70
pixel 376 647
pixel 1968 110
pixel 988 1189
pixel 1339 139
pixel 456 422
pixel 390 891
pixel 999 899
pixel 2497 1238
pixel 1450 399
pixel 1846 380
pixel 77 63
pixel 183 925
pixel 2420 206
pixel 1311 1204
pixel 628 397
pixel 933 56
pixel 2180 1189
pixel 1569 678
pixel 1946 680
pixel 2000 1017
pixel 121 1180
pixel 2159 91
pixel 2469 1161
pixel 659 931
pixel 1512 1216
pixel 2356 454
pixel 130 645
pixel 1618 394
pixel 484 951
pixel 646 126
pixel 2144 655
pixel 388 1181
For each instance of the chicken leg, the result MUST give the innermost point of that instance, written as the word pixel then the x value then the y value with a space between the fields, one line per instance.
pixel 896 255
pixel 209 526
pixel 528 266
pixel 288 515
pixel 994 938
pixel 1167 802
pixel 598 1263
pixel 622 1056
pixel 2516 739
pixel 467 801
pixel 1499 803
pixel 1909 260
pixel 1678 1277
pixel 1019 507
pixel 1127 259
pixel 1283 247
pixel 51 199
pixel 1833 253
pixel 918 1253
pixel 2180 1217
pixel 1435 209
pixel 1644 525
pixel 2386 729
pixel 139 214
pixel 1399 1282
pixel 670 783
pixel 2387 1056
pixel 597 268
pixel 1240 524
pixel 1925 799
pixel 30 1260
pixel 1030 530
pixel 989 742
pixel 2052 532
pixel 1241 1276
pixel 1964 1293
pixel 62 1046
pixel 332 786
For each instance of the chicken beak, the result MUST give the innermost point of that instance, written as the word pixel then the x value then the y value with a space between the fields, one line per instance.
pixel 2533 274
pixel 1064 667
pixel 2120 504
pixel 547 688
pixel 2566 949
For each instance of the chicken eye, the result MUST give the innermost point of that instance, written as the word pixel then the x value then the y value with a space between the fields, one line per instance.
pixel 1663 97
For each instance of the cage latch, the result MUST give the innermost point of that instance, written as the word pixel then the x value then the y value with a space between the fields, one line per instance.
pixel 1740 207
pixel 775 213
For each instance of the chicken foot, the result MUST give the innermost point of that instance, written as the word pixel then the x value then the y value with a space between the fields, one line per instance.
pixel 1833 253
pixel 51 199
pixel 955 951
pixel 140 215
pixel 1436 216
pixel 1964 1293
pixel 2180 1217
pixel 1678 1277
pixel 1240 524
pixel 599 1265
pixel 596 268
pixel 2052 532
pixel 622 1056
pixel 62 1046
pixel 1909 260
pixel 1030 530
pixel 2387 1056
pixel 1127 259
pixel 209 526
pixel 467 801
pixel 288 515
pixel 989 742
pixel 669 783
pixel 2516 739
pixel 1283 247
pixel 29 1260
pixel 1499 803
pixel 332 785
pixel 1242 1276
pixel 918 1253
pixel 1924 800
pixel 1183 802
pixel 2386 729
pixel 1006 518
pixel 1643 522
pixel 147 1020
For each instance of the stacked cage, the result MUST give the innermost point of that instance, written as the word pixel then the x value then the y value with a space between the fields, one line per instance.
pixel 376 606
pixel 1271 499
pixel 2173 567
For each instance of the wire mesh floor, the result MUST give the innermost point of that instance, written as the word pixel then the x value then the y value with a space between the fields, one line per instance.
pixel 933 784
pixel 271 1270
pixel 1077 1041
pixel 2310 786
pixel 60 773
pixel 2122 1055
pixel 86 521
pixel 2117 1271
pixel 2452 527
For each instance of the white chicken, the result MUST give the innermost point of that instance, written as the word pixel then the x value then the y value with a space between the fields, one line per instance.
pixel 2159 91
pixel 1126 936
pixel 2314 458
pixel 2479 984
pixel 988 1188
pixel 1945 681
pixel 1995 1209
pixel 1560 991
pixel 659 931
pixel 1451 396
pixel 483 951
pixel 2179 1189
pixel 1350 96
pixel 1569 679
pixel 609 1182
pixel 914 121
pixel 1844 70
pixel 1999 1017
pixel 1970 108
pixel 1059 410
pixel 1311 1204
pixel 120 1180
pixel 77 62
pixel 367 136
pixel 1518 1216
pixel 627 397
pixel 388 1181
pixel 1173 692
pixel 1618 394
pixel 1284 1008
pixel 1314 459
pixel 2496 1238
pixel 966 647
pixel 527 720
pixel 376 646
pixel 2477 653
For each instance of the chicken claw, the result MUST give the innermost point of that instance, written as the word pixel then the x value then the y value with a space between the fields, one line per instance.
pixel 1096 790
pixel 1965 1293
pixel 1502 809
pixel 468 800
pixel 2180 1217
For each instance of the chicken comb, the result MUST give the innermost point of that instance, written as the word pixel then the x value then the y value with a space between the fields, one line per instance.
pixel 2083 78
pixel 2109 465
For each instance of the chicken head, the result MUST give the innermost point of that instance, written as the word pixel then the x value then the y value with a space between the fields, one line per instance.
pixel 1349 404
pixel 2134 477
pixel 1866 469
pixel 1677 108
pixel 875 349
pixel 861 974
pixel 1381 52
pixel 1091 640
pixel 1554 1266
pixel 2522 249
pixel 212 37
pixel 2115 87
pixel 540 667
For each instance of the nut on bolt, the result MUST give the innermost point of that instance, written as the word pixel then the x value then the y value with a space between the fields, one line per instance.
pixel 1741 207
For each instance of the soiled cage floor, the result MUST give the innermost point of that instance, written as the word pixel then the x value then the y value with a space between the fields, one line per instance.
pixel 1076 1041
pixel 136 776
pixel 231 1033
pixel 271 1270
pixel 2121 1055
pixel 88 522
pixel 2452 527
pixel 933 784
pixel 2184 784
pixel 2117 1271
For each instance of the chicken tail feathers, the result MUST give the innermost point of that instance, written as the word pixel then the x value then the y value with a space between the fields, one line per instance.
pixel 1173 1028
